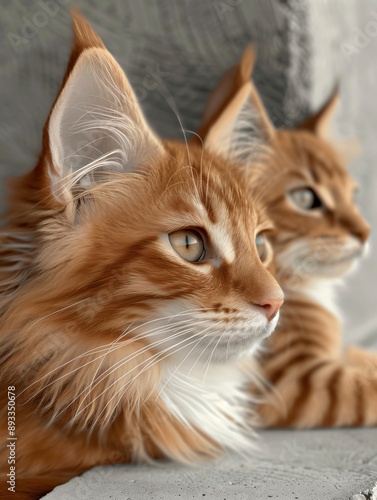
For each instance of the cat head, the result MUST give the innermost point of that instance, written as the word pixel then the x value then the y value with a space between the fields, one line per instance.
pixel 139 241
pixel 297 173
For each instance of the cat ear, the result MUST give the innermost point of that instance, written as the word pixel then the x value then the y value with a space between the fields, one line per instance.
pixel 96 124
pixel 235 121
pixel 320 123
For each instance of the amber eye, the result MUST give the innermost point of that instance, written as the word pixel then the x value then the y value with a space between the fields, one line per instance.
pixel 188 244
pixel 305 198
pixel 262 247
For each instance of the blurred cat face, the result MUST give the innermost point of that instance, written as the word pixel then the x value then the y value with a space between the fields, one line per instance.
pixel 311 202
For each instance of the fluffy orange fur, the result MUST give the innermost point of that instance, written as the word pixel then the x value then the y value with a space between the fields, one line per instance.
pixel 312 381
pixel 99 313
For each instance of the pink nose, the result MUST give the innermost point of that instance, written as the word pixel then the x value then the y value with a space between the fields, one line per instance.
pixel 271 307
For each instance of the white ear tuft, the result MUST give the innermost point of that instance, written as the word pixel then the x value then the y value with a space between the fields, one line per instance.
pixel 96 124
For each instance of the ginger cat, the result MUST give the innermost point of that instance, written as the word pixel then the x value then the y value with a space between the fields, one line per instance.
pixel 312 381
pixel 131 284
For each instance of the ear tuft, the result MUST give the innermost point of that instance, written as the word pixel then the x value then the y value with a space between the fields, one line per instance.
pixel 320 122
pixel 84 37
pixel 246 65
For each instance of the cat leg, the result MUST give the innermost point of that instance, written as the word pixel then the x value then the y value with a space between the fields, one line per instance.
pixel 361 357
pixel 327 393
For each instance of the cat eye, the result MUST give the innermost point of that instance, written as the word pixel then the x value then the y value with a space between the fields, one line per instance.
pixel 262 247
pixel 188 244
pixel 305 198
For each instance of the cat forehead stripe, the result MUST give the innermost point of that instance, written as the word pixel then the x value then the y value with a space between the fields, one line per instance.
pixel 219 231
pixel 223 241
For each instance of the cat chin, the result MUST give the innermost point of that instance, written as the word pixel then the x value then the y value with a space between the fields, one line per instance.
pixel 337 268
pixel 347 265
pixel 296 277
pixel 302 260
pixel 239 345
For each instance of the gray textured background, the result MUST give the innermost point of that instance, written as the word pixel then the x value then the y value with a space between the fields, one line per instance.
pixel 173 52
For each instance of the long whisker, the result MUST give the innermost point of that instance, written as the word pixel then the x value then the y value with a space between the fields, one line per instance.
pixel 150 365
pixel 123 362
pixel 164 91
pixel 122 344
pixel 52 314
pixel 125 332
pixel 120 363
pixel 184 359
pixel 53 382
pixel 170 101
pixel 201 354
pixel 201 159
pixel 208 174
pixel 210 357
pixel 129 358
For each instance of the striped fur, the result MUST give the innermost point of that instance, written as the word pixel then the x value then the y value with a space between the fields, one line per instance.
pixel 310 380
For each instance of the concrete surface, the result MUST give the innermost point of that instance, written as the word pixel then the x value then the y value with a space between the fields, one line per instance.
pixel 291 465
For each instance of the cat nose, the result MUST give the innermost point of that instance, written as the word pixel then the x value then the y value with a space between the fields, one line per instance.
pixel 271 307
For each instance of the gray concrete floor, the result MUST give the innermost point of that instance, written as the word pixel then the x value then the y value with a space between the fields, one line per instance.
pixel 291 465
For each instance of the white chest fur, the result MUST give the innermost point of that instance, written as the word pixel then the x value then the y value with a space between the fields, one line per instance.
pixel 210 399
pixel 324 293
